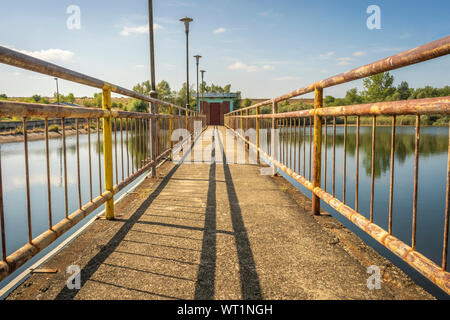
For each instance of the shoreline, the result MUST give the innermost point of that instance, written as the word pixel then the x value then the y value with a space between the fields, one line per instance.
pixel 34 136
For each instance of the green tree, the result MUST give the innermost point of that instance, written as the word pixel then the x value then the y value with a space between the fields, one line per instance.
pixel 247 102
pixel 143 88
pixel 36 98
pixel 403 90
pixel 352 97
pixel 136 105
pixel 328 100
pixel 181 97
pixel 98 98
pixel 70 98
pixel 164 91
pixel 378 87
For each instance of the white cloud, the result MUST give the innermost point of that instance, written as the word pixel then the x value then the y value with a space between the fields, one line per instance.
pixel 126 31
pixel 344 61
pixel 220 30
pixel 326 55
pixel 51 54
pixel 287 78
pixel 359 53
pixel 140 66
pixel 239 65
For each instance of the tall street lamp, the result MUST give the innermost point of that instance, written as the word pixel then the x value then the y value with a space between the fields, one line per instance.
pixel 197 58
pixel 57 90
pixel 203 73
pixel 154 144
pixel 186 21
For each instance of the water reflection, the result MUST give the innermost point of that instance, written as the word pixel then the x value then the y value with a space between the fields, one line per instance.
pixel 431 177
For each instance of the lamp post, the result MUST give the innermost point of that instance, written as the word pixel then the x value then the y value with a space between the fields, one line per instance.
pixel 203 73
pixel 154 124
pixel 197 58
pixel 57 90
pixel 186 21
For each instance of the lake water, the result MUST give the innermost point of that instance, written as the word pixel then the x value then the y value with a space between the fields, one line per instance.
pixel 431 184
pixel 14 185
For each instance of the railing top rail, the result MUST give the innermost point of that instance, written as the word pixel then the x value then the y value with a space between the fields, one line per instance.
pixel 422 53
pixel 24 109
pixel 439 105
pixel 20 60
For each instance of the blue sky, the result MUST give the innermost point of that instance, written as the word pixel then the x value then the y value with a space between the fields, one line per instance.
pixel 263 48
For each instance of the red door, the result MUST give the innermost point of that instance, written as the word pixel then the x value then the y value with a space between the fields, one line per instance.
pixel 215 114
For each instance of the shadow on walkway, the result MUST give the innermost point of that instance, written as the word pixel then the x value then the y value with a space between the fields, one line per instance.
pixel 205 282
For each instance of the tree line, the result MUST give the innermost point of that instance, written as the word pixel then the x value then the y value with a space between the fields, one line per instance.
pixel 377 88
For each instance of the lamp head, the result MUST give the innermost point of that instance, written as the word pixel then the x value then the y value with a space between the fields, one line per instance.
pixel 186 21
pixel 197 57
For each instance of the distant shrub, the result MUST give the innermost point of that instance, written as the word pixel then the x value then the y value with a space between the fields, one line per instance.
pixel 18 130
pixel 53 128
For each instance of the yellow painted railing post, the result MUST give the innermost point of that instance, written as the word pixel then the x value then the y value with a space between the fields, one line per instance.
pixel 242 123
pixel 317 147
pixel 187 121
pixel 107 152
pixel 171 129
pixel 257 134
pixel 274 140
pixel 246 127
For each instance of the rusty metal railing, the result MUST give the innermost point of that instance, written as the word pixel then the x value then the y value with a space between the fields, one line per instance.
pixel 307 124
pixel 132 143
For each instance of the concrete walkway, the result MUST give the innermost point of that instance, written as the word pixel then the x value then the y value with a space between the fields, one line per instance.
pixel 216 231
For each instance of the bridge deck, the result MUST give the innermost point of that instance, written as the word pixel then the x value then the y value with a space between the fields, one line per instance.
pixel 221 231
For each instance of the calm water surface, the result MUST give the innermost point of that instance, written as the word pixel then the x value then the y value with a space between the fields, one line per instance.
pixel 431 194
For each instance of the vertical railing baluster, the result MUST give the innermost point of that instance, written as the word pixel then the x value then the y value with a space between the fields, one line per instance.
pixel 121 149
pixel 171 130
pixel 325 155
pixel 391 178
pixel 127 146
pixel 310 148
pixel 273 138
pixel 344 175
pixel 257 124
pixel 107 153
pixel 27 178
pixel 447 209
pixel 99 158
pixel 334 158
pixel 2 212
pixel 132 138
pixel 416 179
pixel 78 164
pixel 357 164
pixel 304 147
pixel 290 144
pixel 372 175
pixel 66 195
pixel 317 165
pixel 49 193
pixel 88 120
pixel 296 164
pixel 114 121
